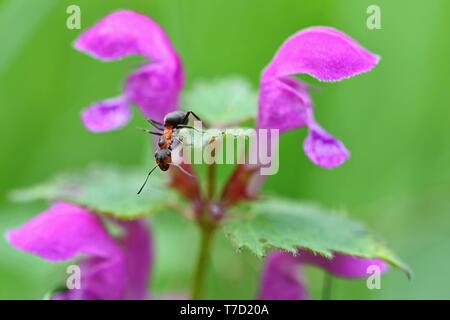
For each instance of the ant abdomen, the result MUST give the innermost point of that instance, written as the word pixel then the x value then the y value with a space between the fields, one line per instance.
pixel 175 118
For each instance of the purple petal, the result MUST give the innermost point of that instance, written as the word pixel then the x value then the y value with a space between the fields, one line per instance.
pixel 283 104
pixel 155 89
pixel 342 265
pixel 67 295
pixel 106 115
pixel 109 270
pixel 102 279
pixel 324 53
pixel 138 258
pixel 323 149
pixel 281 278
pixel 281 272
pixel 124 33
pixel 62 232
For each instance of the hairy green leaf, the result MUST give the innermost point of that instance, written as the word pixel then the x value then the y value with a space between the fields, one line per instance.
pixel 107 190
pixel 230 100
pixel 277 223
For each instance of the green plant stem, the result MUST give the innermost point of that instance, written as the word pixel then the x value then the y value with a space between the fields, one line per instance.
pixel 207 228
pixel 202 263
pixel 327 286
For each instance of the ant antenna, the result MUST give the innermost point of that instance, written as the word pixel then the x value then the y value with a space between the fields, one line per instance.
pixel 146 179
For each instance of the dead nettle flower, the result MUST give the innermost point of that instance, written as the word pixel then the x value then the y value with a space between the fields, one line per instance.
pixel 154 87
pixel 284 102
pixel 282 280
pixel 111 268
pixel 117 268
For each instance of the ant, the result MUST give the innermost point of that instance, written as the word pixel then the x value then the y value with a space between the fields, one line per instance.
pixel 172 121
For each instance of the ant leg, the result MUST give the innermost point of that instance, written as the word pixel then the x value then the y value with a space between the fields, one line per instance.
pixel 195 116
pixel 186 117
pixel 178 139
pixel 158 125
pixel 181 126
pixel 183 170
pixel 151 132
pixel 173 145
pixel 146 179
pixel 154 121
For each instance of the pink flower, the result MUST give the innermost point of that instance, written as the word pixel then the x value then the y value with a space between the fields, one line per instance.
pixel 281 278
pixel 111 268
pixel 284 102
pixel 154 87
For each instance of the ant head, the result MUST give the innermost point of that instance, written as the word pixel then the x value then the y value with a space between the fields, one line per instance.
pixel 164 166
pixel 163 158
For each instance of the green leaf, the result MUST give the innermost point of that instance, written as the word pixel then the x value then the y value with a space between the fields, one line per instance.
pixel 287 225
pixel 230 100
pixel 106 190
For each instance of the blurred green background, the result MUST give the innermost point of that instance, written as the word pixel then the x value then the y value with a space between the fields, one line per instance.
pixel 395 121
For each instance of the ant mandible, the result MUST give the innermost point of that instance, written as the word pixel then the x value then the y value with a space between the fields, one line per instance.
pixel 163 156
